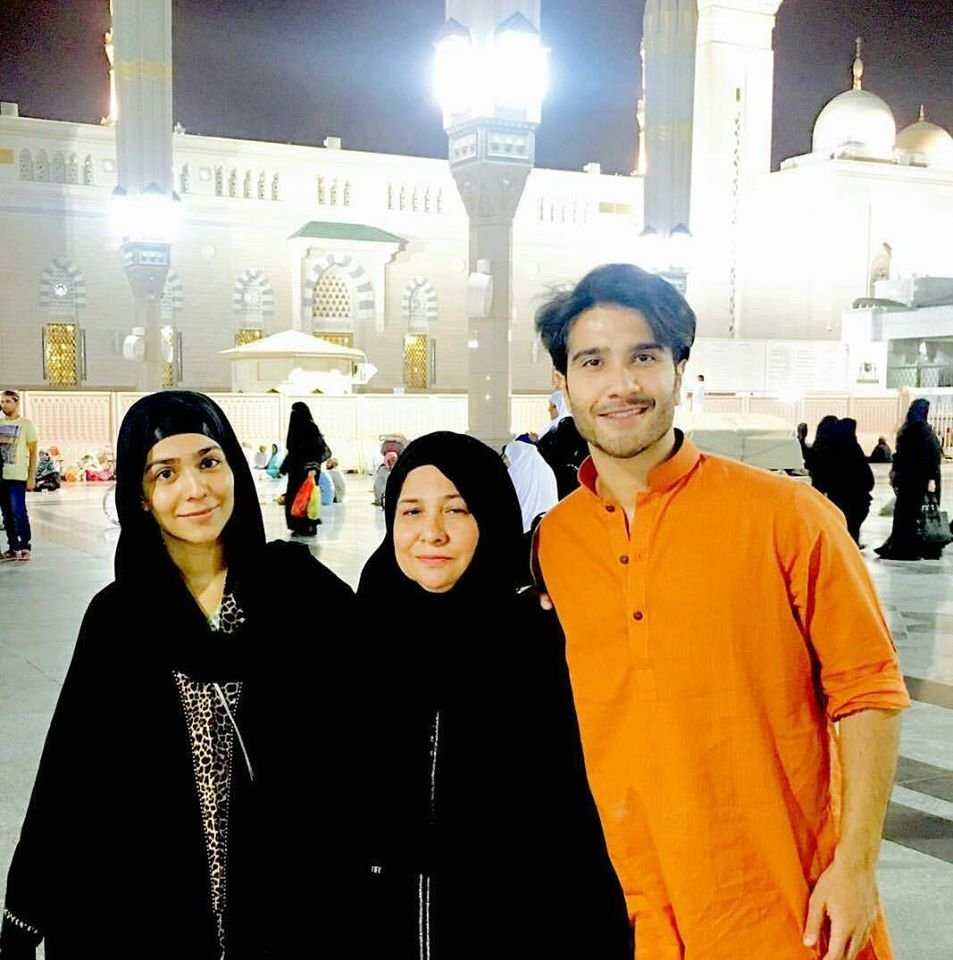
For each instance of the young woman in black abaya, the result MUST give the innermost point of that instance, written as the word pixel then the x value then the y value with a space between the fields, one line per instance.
pixel 482 837
pixel 190 798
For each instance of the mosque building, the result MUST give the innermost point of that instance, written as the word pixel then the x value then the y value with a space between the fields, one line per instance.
pixel 825 274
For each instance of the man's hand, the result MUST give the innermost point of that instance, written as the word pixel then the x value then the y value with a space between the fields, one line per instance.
pixel 848 896
pixel 31 482
pixel 545 601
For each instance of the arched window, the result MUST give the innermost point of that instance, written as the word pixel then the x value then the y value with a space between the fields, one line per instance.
pixel 253 299
pixel 332 301
pixel 334 192
pixel 62 354
pixel 419 305
pixel 219 182
pixel 390 196
pixel 42 169
pixel 88 171
pixel 62 289
pixel 417 311
pixel 414 200
pixel 321 194
pixel 185 179
pixel 246 187
pixel 440 200
pixel 416 372
pixel 403 197
pixel 427 200
pixel 26 165
pixel 172 299
pixel 347 193
pixel 59 167
pixel 166 307
pixel 72 169
pixel 275 186
pixel 261 185
pixel 233 183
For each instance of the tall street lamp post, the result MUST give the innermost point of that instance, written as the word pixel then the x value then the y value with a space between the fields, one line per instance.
pixel 144 209
pixel 145 226
pixel 491 76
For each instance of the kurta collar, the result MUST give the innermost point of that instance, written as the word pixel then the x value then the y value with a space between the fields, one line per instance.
pixel 662 476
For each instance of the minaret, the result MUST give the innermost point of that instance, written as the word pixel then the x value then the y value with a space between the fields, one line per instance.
pixel 640 118
pixel 734 91
pixel 110 120
pixel 668 38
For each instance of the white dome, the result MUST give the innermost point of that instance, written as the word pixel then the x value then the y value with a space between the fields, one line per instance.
pixel 930 140
pixel 857 118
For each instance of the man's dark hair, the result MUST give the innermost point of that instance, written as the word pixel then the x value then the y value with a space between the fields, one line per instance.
pixel 625 285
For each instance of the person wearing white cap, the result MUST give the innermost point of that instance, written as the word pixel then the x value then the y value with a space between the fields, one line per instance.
pixel 533 479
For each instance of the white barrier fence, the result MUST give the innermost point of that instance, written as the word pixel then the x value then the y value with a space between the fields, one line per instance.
pixel 81 422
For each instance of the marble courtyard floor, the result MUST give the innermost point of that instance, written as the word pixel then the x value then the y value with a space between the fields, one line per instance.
pixel 43 603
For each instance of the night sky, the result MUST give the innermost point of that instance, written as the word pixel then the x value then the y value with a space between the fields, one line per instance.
pixel 300 70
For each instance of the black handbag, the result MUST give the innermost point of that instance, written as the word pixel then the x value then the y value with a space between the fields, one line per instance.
pixel 933 524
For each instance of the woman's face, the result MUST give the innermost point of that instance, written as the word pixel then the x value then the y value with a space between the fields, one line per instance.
pixel 435 535
pixel 189 488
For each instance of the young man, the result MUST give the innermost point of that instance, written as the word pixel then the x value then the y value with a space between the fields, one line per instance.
pixel 719 621
pixel 18 442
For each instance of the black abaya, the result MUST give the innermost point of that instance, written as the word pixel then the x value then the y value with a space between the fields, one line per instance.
pixel 916 462
pixel 482 836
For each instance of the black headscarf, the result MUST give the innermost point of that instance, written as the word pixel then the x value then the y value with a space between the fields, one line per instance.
pixel 141 552
pixel 305 441
pixel 482 480
pixel 918 455
pixel 919 410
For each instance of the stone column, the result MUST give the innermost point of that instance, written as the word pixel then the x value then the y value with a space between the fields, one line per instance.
pixel 491 149
pixel 491 193
pixel 668 36
pixel 734 89
pixel 142 40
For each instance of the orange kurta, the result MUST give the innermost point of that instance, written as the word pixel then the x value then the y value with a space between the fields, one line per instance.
pixel 710 649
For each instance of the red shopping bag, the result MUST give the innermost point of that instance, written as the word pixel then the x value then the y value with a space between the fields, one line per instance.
pixel 299 508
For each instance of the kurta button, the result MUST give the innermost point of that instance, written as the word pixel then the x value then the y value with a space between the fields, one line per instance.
pixel 623 559
pixel 610 508
pixel 637 615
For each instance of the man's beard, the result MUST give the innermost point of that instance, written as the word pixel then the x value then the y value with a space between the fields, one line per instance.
pixel 653 425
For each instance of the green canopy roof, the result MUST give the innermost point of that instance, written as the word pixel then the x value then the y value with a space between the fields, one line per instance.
pixel 319 230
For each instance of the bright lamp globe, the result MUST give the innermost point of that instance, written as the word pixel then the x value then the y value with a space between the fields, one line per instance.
pixel 118 214
pixel 454 70
pixel 520 70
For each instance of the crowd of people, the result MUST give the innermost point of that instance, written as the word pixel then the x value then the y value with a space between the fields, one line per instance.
pixel 841 471
pixel 624 735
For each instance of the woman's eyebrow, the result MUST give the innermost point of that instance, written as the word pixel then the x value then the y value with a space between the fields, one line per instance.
pixel 168 460
pixel 155 463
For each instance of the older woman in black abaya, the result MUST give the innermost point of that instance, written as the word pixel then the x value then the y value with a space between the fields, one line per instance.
pixel 169 818
pixel 482 837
